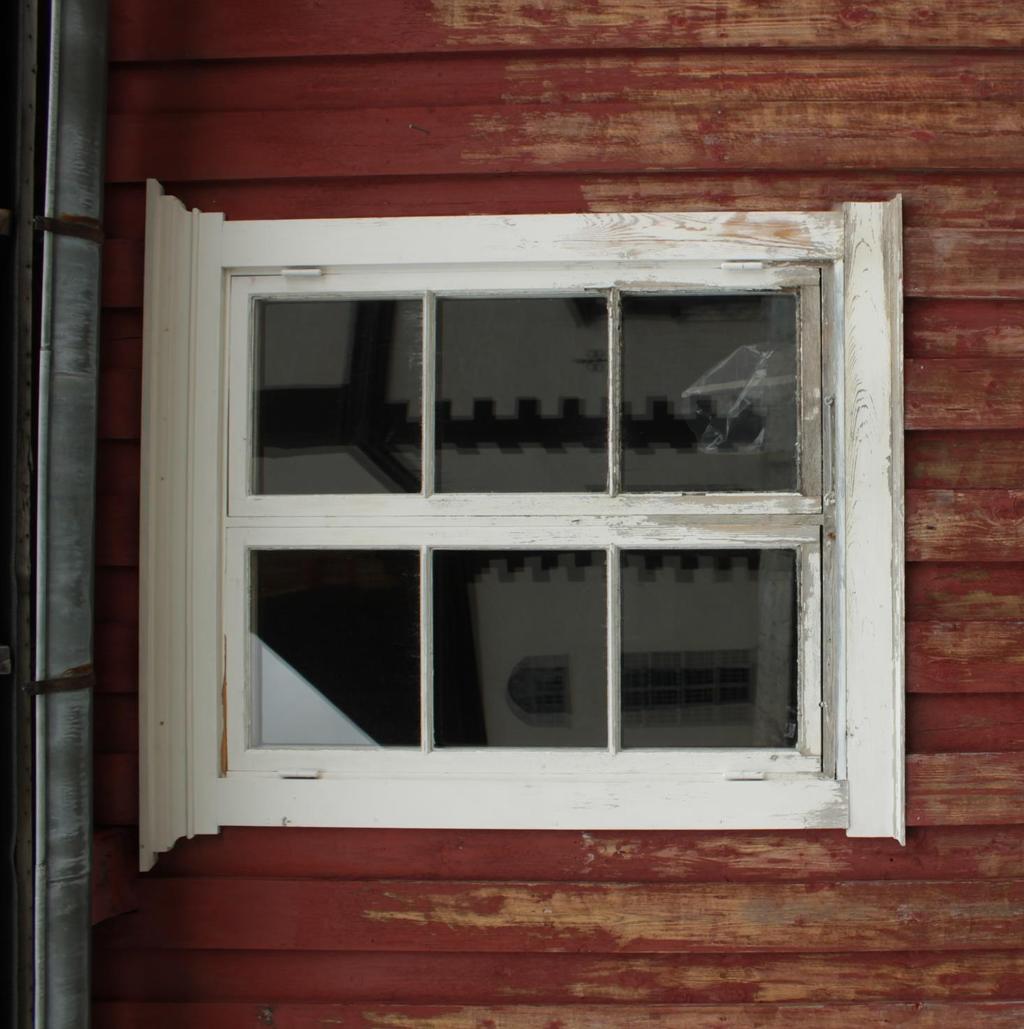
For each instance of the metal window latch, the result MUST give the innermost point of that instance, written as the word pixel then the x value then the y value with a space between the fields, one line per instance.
pixel 740 776
pixel 302 273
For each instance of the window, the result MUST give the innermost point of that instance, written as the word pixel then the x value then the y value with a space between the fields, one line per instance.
pixel 572 522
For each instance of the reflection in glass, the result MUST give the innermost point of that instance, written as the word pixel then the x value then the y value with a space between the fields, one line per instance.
pixel 709 648
pixel 335 647
pixel 522 395
pixel 519 649
pixel 338 396
pixel 709 393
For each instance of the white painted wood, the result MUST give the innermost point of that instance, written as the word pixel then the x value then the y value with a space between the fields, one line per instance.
pixel 559 239
pixel 429 391
pixel 873 519
pixel 833 687
pixel 199 769
pixel 426 650
pixel 580 533
pixel 614 392
pixel 613 646
pixel 575 803
pixel 163 625
pixel 309 509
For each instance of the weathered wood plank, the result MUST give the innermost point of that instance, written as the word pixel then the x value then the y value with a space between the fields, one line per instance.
pixel 963 263
pixel 964 328
pixel 116 657
pixel 965 525
pixel 337 83
pixel 233 29
pixel 114 875
pixel 120 405
pixel 944 723
pixel 562 856
pixel 117 596
pixel 965 393
pixel 963 460
pixel 994 1014
pixel 325 977
pixel 965 657
pixel 123 265
pixel 117 530
pixel 973 201
pixel 951 592
pixel 116 789
pixel 319 914
pixel 965 789
pixel 117 467
pixel 788 135
pixel 116 722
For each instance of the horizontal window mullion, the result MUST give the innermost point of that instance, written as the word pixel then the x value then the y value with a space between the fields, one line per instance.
pixel 725 505
pixel 509 533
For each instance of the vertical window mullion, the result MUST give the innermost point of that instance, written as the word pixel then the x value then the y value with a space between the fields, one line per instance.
pixel 429 388
pixel 613 647
pixel 614 392
pixel 426 650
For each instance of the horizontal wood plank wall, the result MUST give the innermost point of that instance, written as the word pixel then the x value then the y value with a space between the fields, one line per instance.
pixel 478 107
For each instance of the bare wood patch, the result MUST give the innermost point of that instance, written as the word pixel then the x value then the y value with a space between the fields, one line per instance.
pixel 311 83
pixel 964 789
pixel 964 460
pixel 769 136
pixel 944 592
pixel 964 393
pixel 965 525
pixel 965 657
pixel 233 29
pixel 648 918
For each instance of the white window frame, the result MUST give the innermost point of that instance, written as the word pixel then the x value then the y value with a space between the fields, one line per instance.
pixel 198 771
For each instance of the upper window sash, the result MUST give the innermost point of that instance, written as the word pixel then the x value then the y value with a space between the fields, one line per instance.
pixel 245 292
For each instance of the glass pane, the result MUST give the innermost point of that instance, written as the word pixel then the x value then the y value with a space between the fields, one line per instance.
pixel 709 393
pixel 338 396
pixel 335 647
pixel 519 649
pixel 522 387
pixel 709 648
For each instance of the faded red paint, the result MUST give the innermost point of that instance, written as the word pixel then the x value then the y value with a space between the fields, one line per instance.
pixel 549 106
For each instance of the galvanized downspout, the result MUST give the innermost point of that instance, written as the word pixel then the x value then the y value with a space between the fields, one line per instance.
pixel 66 449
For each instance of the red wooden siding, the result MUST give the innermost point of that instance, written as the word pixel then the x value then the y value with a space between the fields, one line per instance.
pixel 313 109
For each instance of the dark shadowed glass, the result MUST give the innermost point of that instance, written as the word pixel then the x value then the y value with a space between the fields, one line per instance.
pixel 709 393
pixel 338 387
pixel 522 395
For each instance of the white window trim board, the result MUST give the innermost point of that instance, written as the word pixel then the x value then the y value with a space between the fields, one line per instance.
pixel 190 256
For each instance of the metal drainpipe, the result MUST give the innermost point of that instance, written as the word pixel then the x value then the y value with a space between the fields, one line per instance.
pixel 66 488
